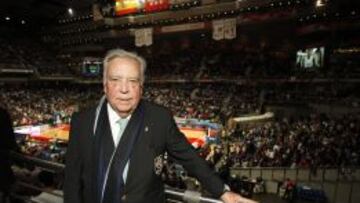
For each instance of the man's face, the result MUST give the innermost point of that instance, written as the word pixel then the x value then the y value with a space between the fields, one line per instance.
pixel 122 85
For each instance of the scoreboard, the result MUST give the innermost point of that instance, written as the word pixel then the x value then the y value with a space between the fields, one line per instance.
pixel 92 67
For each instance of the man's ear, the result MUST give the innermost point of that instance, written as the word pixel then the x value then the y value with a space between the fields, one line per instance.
pixel 142 89
pixel 104 87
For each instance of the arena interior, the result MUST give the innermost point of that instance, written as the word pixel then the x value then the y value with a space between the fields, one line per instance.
pixel 266 91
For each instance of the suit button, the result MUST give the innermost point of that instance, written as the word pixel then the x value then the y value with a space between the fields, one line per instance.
pixel 123 198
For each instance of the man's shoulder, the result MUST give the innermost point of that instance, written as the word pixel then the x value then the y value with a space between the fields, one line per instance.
pixel 3 112
pixel 156 108
pixel 85 114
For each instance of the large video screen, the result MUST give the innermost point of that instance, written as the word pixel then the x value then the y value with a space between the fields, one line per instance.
pixel 125 7
pixel 310 58
pixel 156 5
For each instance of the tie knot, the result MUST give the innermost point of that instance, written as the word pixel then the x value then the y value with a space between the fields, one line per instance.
pixel 121 122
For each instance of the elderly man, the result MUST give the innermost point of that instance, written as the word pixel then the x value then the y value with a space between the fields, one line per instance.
pixel 116 149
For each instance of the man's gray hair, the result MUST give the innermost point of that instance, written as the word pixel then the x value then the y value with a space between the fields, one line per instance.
pixel 121 53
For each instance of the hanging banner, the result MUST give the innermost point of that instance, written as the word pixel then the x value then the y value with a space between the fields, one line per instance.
pixel 143 37
pixel 148 32
pixel 218 29
pixel 230 28
pixel 139 38
pixel 224 29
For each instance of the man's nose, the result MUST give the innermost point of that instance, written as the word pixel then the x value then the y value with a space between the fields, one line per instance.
pixel 124 86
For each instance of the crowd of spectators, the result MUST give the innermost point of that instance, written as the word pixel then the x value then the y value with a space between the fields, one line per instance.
pixel 8 57
pixel 37 105
pixel 47 105
pixel 195 59
pixel 310 141
pixel 306 142
pixel 30 55
pixel 208 102
pixel 50 104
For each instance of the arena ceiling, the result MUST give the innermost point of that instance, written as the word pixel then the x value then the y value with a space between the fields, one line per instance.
pixel 43 10
pixel 39 11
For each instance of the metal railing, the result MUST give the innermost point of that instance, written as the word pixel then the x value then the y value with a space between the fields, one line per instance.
pixel 172 195
pixel 188 196
pixel 57 167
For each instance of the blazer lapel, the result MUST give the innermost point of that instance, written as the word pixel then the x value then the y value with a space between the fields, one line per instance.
pixel 143 137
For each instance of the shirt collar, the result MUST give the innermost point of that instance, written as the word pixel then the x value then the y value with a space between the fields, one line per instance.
pixel 113 116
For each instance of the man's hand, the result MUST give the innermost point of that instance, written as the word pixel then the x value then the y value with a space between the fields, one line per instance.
pixel 231 197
